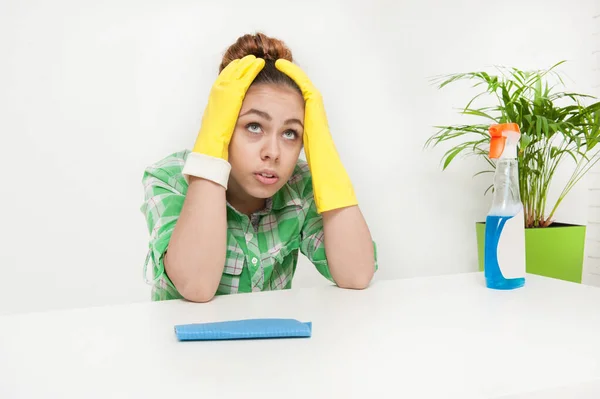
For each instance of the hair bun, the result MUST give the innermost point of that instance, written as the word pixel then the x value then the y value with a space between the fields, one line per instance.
pixel 259 45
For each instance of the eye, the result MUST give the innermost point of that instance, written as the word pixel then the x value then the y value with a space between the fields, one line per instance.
pixel 290 134
pixel 253 128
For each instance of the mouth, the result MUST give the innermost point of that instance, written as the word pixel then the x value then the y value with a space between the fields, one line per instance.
pixel 267 177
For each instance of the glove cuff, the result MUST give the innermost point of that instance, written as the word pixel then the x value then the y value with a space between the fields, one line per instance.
pixel 207 167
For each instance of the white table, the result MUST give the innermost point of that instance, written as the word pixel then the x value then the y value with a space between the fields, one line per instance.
pixel 437 337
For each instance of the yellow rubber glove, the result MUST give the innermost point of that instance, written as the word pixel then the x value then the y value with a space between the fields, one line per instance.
pixel 331 184
pixel 210 154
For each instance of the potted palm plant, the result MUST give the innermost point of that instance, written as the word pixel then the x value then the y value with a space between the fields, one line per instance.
pixel 556 126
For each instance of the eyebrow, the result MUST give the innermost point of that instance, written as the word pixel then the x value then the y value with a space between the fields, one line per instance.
pixel 257 112
pixel 269 118
pixel 293 120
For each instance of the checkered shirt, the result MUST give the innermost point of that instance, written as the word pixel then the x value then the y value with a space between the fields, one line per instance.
pixel 262 249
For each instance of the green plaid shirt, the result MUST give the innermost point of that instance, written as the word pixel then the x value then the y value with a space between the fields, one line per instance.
pixel 262 249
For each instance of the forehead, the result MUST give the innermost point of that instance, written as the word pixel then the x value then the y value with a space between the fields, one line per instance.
pixel 277 100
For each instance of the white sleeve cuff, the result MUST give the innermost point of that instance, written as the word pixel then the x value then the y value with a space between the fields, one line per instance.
pixel 206 167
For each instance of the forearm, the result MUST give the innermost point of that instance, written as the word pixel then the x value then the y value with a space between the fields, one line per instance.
pixel 196 254
pixel 349 247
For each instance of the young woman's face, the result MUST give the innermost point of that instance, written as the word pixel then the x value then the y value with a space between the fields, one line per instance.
pixel 266 143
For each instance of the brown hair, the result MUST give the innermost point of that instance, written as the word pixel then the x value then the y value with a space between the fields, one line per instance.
pixel 262 46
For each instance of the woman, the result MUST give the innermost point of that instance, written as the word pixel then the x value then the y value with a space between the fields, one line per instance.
pixel 231 215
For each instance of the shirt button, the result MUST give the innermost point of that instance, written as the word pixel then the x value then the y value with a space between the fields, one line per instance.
pixel 248 236
pixel 254 261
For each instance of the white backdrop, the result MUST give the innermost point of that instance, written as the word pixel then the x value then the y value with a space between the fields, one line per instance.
pixel 93 92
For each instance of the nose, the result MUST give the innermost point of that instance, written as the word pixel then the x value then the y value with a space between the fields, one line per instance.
pixel 270 150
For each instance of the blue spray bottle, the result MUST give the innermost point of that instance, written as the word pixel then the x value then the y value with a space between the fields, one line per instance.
pixel 504 260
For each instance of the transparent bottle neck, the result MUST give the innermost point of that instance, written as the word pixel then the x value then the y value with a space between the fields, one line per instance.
pixel 507 199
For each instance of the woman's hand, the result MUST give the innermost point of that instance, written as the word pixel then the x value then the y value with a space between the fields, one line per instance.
pixel 197 248
pixel 210 154
pixel 331 184
pixel 348 243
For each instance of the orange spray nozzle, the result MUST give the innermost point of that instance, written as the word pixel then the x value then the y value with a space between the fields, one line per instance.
pixel 498 138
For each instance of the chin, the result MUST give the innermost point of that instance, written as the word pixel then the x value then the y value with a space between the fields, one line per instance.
pixel 262 192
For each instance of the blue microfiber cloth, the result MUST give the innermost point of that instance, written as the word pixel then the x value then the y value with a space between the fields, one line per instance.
pixel 243 329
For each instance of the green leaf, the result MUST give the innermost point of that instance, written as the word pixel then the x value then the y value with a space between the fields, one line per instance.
pixel 542 122
pixel 488 189
pixel 476 112
pixel 453 153
pixel 525 140
pixel 593 108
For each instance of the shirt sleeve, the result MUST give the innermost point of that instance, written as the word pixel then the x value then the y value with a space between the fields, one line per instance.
pixel 313 235
pixel 164 194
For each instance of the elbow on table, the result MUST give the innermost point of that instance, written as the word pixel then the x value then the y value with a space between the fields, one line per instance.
pixel 198 295
pixel 192 286
pixel 358 281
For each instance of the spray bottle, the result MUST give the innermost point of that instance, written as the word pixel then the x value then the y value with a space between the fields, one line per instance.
pixel 504 260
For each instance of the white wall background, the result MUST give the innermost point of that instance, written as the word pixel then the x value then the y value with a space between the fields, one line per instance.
pixel 592 263
pixel 92 92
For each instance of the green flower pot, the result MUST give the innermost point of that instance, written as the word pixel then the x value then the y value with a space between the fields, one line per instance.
pixel 556 251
